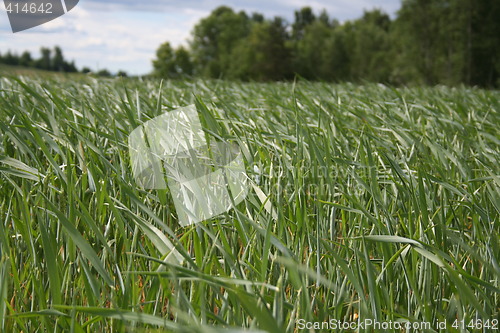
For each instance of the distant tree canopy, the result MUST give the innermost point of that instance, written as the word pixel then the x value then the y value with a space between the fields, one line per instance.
pixel 50 60
pixel 429 42
pixel 172 63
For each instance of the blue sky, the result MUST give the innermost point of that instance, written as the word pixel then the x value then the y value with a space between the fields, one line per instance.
pixel 124 34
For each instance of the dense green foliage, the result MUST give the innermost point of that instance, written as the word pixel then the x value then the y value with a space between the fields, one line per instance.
pixel 450 41
pixel 429 42
pixel 49 61
pixel 173 63
pixel 369 202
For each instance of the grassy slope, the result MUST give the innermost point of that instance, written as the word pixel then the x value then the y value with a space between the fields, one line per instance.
pixel 384 205
pixel 9 71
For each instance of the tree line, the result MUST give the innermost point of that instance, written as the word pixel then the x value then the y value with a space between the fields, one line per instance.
pixel 50 60
pixel 428 42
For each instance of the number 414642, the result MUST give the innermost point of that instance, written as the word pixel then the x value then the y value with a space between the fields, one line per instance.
pixel 31 8
pixel 476 324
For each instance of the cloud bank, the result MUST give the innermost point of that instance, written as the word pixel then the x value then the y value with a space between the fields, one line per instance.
pixel 124 34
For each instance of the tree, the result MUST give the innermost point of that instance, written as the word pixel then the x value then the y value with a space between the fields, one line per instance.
pixel 436 41
pixel 164 65
pixel 183 62
pixel 46 59
pixel 25 59
pixel 45 62
pixel 337 66
pixel 257 17
pixel 325 18
pixel 311 55
pixel 10 59
pixel 263 55
pixel 483 42
pixel 57 63
pixel 370 47
pixel 430 42
pixel 104 73
pixel 214 39
pixel 69 67
pixel 303 18
pixel 170 63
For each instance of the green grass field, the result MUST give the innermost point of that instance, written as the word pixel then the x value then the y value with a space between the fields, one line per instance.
pixel 371 203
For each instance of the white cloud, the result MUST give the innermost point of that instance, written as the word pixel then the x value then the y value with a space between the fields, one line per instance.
pixel 114 40
pixel 124 34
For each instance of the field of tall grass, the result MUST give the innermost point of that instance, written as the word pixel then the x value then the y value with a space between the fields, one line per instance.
pixel 366 202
